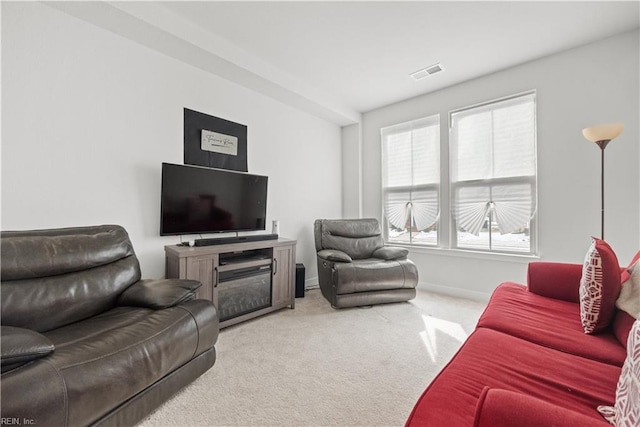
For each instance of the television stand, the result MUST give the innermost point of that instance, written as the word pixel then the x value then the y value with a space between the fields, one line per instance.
pixel 243 279
pixel 235 239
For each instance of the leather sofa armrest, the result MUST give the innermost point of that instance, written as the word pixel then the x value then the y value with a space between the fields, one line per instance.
pixel 503 408
pixel 334 255
pixel 389 253
pixel 20 346
pixel 555 280
pixel 159 293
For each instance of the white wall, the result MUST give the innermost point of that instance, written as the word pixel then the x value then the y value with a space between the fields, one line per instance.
pixel 351 172
pixel 88 117
pixel 593 84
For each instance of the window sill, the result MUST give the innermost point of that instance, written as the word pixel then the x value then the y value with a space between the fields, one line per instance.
pixel 464 253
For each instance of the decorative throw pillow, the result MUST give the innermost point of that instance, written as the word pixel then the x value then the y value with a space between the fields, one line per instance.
pixel 626 272
pixel 629 299
pixel 599 287
pixel 626 412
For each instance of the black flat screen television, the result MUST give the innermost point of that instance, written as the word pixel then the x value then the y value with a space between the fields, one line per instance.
pixel 198 200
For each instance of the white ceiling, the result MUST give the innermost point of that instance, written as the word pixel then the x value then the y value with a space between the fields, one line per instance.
pixel 338 59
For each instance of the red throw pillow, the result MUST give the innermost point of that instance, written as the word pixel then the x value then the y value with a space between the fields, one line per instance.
pixel 626 275
pixel 599 287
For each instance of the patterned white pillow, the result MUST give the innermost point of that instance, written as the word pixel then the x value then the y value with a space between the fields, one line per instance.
pixel 626 412
pixel 599 287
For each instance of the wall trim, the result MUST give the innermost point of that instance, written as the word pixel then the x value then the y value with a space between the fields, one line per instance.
pixel 312 283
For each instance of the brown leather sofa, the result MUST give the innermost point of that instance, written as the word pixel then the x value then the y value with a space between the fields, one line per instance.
pixel 355 268
pixel 84 340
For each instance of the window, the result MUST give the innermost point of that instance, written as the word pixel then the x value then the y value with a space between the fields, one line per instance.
pixel 489 175
pixel 411 181
pixel 492 151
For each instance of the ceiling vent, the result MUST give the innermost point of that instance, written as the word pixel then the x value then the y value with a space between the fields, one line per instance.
pixel 425 72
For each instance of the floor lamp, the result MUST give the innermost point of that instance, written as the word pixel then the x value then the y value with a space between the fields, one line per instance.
pixel 601 135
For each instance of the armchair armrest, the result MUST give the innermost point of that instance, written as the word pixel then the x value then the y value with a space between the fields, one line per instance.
pixel 502 408
pixel 555 280
pixel 159 293
pixel 20 346
pixel 389 253
pixel 334 255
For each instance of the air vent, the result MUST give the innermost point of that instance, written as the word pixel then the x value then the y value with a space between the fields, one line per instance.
pixel 425 72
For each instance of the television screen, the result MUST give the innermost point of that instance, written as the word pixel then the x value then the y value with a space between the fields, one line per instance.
pixel 198 200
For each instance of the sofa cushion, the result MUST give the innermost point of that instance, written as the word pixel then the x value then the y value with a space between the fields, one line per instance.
pixel 41 253
pixel 549 322
pixel 599 287
pixel 626 411
pixel 367 275
pixel 493 359
pixel 502 408
pixel 621 326
pixel 126 345
pixel 20 346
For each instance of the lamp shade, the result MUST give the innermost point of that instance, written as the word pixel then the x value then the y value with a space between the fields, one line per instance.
pixel 603 132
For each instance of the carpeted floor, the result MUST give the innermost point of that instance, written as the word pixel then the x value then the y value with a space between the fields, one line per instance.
pixel 316 366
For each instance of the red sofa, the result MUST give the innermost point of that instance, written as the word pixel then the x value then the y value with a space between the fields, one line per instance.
pixel 529 362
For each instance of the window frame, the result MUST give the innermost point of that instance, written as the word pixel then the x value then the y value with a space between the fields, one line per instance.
pixel 533 180
pixel 447 230
pixel 437 187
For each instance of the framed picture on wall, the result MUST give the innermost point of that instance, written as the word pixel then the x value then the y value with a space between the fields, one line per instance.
pixel 214 142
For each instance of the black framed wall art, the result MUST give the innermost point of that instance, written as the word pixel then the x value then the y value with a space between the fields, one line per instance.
pixel 214 142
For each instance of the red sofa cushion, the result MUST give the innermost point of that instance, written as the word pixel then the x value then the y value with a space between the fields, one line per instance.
pixel 549 322
pixel 621 326
pixel 626 412
pixel 493 359
pixel 599 287
pixel 555 280
pixel 502 408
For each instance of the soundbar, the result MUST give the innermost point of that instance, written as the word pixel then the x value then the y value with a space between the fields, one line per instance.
pixel 235 239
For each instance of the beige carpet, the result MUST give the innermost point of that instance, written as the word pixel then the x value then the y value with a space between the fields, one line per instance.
pixel 316 366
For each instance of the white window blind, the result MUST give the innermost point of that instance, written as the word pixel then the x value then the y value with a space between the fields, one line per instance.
pixel 410 180
pixel 493 168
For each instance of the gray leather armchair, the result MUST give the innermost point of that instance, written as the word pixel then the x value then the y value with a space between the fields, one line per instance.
pixel 355 268
pixel 84 340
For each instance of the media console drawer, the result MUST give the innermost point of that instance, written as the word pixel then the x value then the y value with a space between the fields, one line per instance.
pixel 243 280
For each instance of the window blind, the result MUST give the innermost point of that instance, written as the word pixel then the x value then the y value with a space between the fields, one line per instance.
pixel 493 164
pixel 411 173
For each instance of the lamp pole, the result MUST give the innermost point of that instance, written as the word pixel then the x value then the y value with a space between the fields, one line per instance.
pixel 602 135
pixel 602 144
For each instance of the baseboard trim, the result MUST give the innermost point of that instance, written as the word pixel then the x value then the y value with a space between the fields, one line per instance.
pixel 455 292
pixel 312 283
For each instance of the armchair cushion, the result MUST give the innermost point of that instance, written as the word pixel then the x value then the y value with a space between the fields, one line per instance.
pixel 159 293
pixel 334 255
pixel 357 238
pixel 390 253
pixel 20 346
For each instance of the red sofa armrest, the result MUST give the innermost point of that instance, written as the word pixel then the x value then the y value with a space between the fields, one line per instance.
pixel 555 280
pixel 503 408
